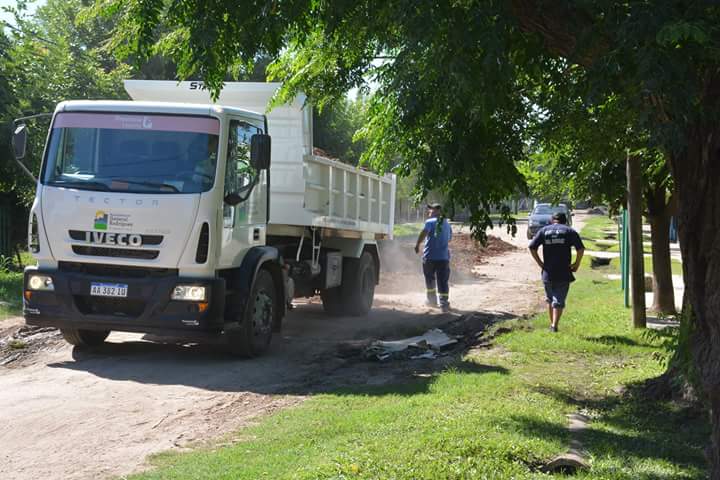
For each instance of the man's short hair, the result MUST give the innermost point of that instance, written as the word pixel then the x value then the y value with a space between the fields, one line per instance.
pixel 560 217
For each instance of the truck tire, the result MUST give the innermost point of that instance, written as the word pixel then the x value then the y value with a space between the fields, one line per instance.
pixel 250 334
pixel 84 338
pixel 355 296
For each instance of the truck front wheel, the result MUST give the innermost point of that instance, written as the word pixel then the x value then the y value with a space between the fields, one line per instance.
pixel 84 338
pixel 249 335
pixel 355 295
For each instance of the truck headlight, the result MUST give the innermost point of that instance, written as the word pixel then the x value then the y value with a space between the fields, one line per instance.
pixel 40 283
pixel 189 293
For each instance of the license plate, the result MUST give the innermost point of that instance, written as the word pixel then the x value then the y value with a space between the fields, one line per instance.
pixel 108 289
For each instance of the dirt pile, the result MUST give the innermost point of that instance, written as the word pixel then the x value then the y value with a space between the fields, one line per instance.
pixel 467 252
pixel 402 267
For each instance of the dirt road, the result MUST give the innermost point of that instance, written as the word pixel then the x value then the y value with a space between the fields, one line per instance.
pixel 65 414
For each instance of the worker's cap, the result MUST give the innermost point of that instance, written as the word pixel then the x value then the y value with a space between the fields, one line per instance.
pixel 434 206
pixel 560 217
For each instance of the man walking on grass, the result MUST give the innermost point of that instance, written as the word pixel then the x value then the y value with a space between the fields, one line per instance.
pixel 556 240
pixel 436 257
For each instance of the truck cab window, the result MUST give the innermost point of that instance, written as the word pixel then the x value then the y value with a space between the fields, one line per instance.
pixel 239 174
pixel 132 153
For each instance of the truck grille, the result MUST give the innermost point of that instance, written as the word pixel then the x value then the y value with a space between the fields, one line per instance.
pixel 118 307
pixel 115 252
pixel 117 271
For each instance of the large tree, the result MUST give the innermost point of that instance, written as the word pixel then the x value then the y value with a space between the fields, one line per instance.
pixel 51 57
pixel 44 59
pixel 582 149
pixel 452 92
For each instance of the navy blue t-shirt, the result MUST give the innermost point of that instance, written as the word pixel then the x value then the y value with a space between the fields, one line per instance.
pixel 556 240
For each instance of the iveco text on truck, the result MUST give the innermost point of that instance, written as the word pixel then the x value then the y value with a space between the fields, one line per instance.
pixel 169 214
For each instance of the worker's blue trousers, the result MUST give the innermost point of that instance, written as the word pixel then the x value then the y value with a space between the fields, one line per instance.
pixel 437 272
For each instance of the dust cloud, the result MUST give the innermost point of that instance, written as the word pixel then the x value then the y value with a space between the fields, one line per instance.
pixel 400 267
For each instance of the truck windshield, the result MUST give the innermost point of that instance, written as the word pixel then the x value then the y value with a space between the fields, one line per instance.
pixel 132 152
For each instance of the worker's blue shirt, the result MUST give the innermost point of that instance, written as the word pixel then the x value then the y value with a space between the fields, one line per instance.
pixel 436 240
pixel 556 240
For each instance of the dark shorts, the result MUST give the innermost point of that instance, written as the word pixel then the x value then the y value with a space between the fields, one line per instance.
pixel 556 293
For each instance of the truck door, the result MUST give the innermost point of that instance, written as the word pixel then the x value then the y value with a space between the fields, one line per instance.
pixel 244 224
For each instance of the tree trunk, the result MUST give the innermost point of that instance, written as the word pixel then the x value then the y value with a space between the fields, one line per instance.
pixel 660 209
pixel 696 172
pixel 663 290
pixel 637 259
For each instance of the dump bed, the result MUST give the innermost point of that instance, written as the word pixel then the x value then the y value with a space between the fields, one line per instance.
pixel 305 189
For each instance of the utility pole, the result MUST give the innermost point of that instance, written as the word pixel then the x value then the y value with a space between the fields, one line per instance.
pixel 637 260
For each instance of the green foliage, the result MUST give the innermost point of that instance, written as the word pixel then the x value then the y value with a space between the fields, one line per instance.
pixel 437 122
pixel 461 85
pixel 6 264
pixel 335 126
pixel 10 293
pixel 48 58
pixel 548 180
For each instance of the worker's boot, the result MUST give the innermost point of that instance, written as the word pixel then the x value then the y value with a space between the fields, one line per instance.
pixel 444 302
pixel 431 300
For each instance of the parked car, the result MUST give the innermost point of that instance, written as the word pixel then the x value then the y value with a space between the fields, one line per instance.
pixel 542 215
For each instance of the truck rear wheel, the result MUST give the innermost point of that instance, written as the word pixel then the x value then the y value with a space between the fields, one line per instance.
pixel 250 334
pixel 84 338
pixel 355 295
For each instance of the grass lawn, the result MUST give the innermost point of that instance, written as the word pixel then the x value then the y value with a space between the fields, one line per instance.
pixel 11 286
pixel 10 294
pixel 593 230
pixel 497 414
pixel 675 265
pixel 407 229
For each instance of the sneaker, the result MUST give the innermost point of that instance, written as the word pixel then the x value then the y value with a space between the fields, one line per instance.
pixel 445 308
pixel 553 328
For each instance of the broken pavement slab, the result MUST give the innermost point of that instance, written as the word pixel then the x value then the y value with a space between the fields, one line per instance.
pixel 425 346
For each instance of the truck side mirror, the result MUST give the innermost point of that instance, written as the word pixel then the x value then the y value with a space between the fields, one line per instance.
pixel 19 141
pixel 260 151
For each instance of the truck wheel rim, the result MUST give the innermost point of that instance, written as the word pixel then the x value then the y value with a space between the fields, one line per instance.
pixel 262 314
pixel 368 288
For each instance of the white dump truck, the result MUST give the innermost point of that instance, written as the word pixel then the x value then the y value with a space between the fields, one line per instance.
pixel 180 219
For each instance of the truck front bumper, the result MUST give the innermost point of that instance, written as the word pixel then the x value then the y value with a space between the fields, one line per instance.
pixel 147 308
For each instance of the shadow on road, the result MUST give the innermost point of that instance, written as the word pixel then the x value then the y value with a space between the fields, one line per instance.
pixel 310 356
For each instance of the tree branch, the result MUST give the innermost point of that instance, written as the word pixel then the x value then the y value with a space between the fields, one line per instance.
pixel 561 27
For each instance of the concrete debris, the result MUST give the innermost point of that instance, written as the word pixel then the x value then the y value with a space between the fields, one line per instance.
pixel 22 342
pixel 576 458
pixel 425 346
pixel 429 355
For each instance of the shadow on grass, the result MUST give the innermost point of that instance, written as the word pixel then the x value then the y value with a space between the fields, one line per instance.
pixel 420 382
pixel 617 340
pixel 632 429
